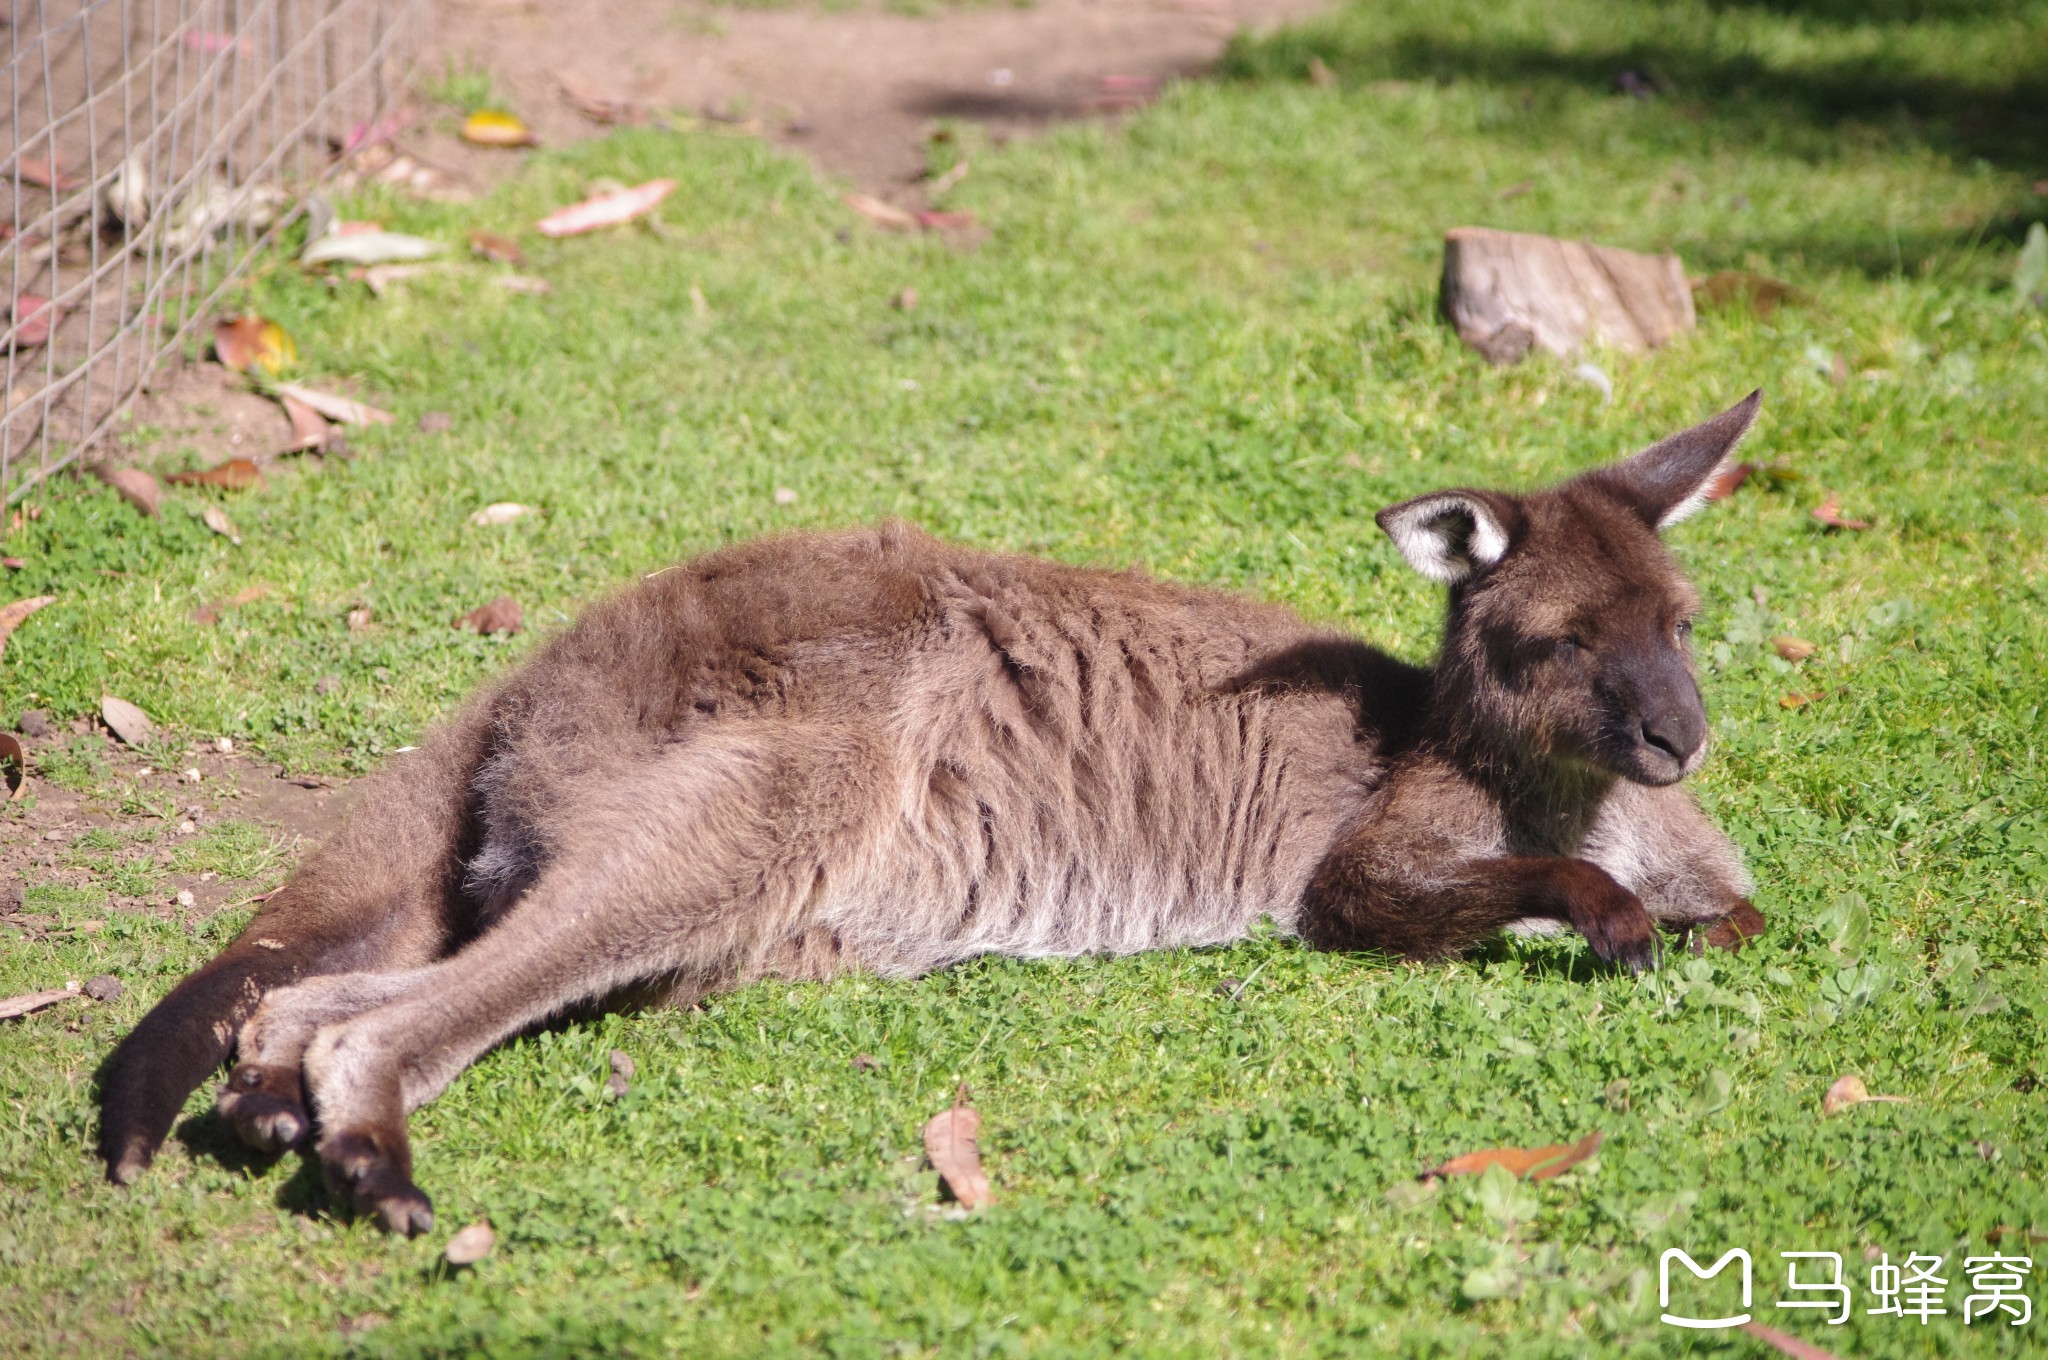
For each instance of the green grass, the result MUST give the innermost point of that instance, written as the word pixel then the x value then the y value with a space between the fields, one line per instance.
pixel 1205 341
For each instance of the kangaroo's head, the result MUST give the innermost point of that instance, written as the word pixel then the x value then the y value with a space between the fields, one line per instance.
pixel 1569 621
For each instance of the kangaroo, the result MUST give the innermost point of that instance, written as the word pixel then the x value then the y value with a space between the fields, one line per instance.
pixel 872 750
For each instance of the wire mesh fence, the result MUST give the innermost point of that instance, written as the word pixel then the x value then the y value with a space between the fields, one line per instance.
pixel 152 147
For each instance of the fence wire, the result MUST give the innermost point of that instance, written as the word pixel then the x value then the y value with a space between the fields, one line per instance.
pixel 152 148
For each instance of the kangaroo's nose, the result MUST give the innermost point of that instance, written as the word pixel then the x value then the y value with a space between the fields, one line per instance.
pixel 1677 733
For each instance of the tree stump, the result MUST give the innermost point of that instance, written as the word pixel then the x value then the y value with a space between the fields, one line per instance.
pixel 1509 291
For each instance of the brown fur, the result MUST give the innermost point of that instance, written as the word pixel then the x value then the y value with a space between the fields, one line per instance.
pixel 872 750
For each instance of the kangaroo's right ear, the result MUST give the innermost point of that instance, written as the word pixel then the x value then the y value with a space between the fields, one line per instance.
pixel 1450 536
pixel 1670 479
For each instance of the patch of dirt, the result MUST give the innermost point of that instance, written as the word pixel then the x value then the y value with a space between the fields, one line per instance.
pixel 39 833
pixel 857 90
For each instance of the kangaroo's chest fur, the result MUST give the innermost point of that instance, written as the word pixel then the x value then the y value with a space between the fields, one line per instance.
pixel 1039 760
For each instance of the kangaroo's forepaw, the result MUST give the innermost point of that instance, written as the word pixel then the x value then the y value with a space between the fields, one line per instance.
pixel 1741 925
pixel 266 1107
pixel 375 1182
pixel 1619 930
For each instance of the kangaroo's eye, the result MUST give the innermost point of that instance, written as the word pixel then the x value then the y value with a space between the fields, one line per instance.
pixel 1684 629
pixel 1570 646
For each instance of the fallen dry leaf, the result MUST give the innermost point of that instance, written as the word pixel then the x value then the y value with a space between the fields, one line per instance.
pixel 137 487
pixel 250 594
pixel 1793 648
pixel 1829 513
pixel 45 173
pixel 13 614
pixel 1538 1164
pixel 887 216
pixel 370 247
pixel 1790 1345
pixel 1801 698
pixel 905 301
pixel 217 520
pixel 35 317
pixel 598 108
pixel 31 1002
pixel 245 342
pixel 501 615
pixel 501 512
pixel 1849 1091
pixel 125 720
pixel 950 1141
pixel 206 615
pixel 496 249
pixel 13 765
pixel 495 127
pixel 336 408
pixel 1731 476
pixel 309 427
pixel 470 1245
pixel 1761 294
pixel 606 210
pixel 236 474
pixel 1515 190
pixel 359 618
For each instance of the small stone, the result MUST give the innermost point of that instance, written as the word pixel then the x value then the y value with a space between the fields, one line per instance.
pixel 53 835
pixel 187 827
pixel 865 1062
pixel 105 987
pixel 622 1065
pixel 617 1085
pixel 224 745
pixel 35 724
pixel 785 496
pixel 436 422
pixel 192 776
pixel 185 897
pixel 359 618
pixel 145 772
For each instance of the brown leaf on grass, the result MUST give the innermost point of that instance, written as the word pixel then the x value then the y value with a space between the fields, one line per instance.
pixel 1731 476
pixel 501 615
pixel 46 172
pixel 951 1142
pixel 217 520
pixel 1850 1091
pixel 125 720
pixel 245 342
pixel 32 1002
pixel 336 408
pixel 1538 1164
pixel 13 563
pixel 250 594
pixel 309 427
pixel 886 216
pixel 35 317
pixel 13 614
pixel 1829 514
pixel 359 619
pixel 206 615
pixel 1790 1345
pixel 470 1245
pixel 1793 648
pixel 905 301
pixel 606 210
pixel 13 765
pixel 1515 190
pixel 496 249
pixel 1801 698
pixel 495 127
pixel 137 487
pixel 236 474
pixel 1735 287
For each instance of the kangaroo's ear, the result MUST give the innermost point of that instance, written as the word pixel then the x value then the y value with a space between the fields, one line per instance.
pixel 1450 536
pixel 1669 480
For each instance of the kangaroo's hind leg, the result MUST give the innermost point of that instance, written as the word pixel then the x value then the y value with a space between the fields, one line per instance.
pixel 378 895
pixel 690 866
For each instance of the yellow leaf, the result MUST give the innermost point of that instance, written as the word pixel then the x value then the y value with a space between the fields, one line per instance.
pixel 495 127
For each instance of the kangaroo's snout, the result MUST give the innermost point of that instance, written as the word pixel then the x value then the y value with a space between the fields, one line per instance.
pixel 1670 728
